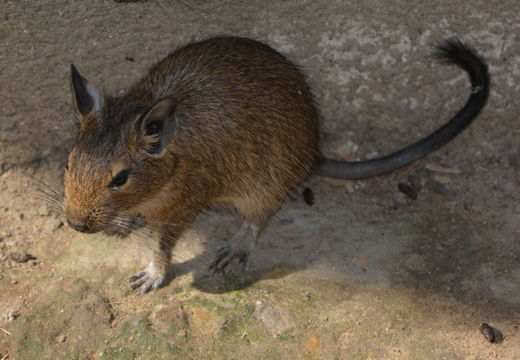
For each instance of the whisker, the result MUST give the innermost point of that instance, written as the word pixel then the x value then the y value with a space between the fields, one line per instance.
pixel 39 190
pixel 48 196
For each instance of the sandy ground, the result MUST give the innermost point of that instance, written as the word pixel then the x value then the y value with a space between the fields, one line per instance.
pixel 364 273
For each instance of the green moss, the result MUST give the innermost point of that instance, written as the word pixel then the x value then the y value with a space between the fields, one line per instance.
pixel 208 305
pixel 257 336
pixel 233 326
pixel 31 344
pixel 139 338
pixel 118 353
pixel 287 337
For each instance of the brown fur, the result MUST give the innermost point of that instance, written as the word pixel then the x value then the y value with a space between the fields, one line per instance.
pixel 246 135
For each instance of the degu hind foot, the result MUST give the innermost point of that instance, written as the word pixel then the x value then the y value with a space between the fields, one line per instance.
pixel 233 258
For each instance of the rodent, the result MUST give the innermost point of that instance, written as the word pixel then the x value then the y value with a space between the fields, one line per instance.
pixel 225 120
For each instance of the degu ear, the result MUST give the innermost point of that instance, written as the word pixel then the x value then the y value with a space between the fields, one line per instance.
pixel 157 127
pixel 87 98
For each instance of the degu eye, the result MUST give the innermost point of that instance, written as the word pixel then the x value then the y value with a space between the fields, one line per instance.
pixel 120 179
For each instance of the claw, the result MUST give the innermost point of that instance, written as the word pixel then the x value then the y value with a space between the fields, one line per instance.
pixel 224 250
pixel 223 264
pixel 138 282
pixel 221 254
pixel 144 281
pixel 137 276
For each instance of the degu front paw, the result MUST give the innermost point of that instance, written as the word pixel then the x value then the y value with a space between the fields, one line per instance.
pixel 148 279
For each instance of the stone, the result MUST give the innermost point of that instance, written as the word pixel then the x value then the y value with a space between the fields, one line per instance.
pixel 273 318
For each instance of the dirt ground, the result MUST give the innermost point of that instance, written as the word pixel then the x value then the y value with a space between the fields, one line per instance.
pixel 364 273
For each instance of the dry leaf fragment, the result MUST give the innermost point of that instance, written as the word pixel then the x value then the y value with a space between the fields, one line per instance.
pixel 442 179
pixel 441 169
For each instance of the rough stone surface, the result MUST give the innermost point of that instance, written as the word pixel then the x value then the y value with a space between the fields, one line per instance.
pixel 273 318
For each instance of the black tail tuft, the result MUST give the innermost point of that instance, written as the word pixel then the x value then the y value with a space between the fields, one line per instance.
pixel 456 52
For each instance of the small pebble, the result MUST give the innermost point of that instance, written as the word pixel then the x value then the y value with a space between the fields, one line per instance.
pixel 62 338
pixel 21 258
pixel 308 196
pixel 487 331
pixel 407 190
pixel 12 315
